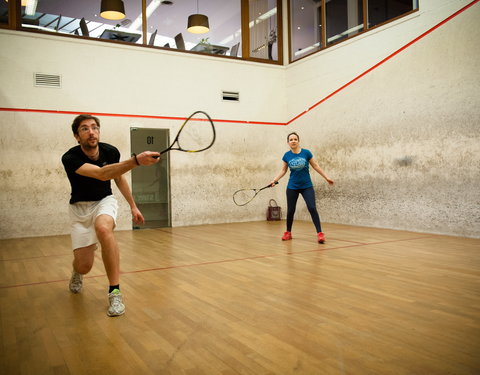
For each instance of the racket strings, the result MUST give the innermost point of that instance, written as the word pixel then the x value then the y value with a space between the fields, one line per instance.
pixel 196 134
pixel 242 197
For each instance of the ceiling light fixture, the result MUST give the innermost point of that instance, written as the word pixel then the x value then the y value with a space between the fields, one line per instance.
pixel 112 9
pixel 198 23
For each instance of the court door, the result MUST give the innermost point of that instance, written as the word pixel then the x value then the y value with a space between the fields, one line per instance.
pixel 151 185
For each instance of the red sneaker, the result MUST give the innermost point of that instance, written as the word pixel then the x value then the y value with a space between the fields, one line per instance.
pixel 287 236
pixel 321 237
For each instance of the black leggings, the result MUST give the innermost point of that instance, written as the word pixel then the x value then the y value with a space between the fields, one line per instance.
pixel 309 197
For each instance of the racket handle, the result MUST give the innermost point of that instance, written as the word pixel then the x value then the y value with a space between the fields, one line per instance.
pixel 269 185
pixel 161 153
pixel 164 151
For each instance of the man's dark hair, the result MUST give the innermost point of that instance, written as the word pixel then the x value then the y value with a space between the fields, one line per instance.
pixel 80 118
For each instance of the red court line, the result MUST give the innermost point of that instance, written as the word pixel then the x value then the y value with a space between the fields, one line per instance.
pixel 390 241
pixel 221 261
pixel 386 59
pixel 259 122
pixel 355 242
pixel 181 266
pixel 104 114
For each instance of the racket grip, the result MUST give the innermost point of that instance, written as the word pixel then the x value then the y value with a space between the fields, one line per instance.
pixel 161 153
pixel 164 151
pixel 270 185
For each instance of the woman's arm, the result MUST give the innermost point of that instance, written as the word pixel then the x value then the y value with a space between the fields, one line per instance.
pixel 320 171
pixel 280 174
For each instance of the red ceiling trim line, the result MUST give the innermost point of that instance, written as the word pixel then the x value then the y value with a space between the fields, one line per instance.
pixel 261 122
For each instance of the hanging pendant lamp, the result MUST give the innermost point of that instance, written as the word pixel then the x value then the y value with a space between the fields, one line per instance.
pixel 112 9
pixel 198 23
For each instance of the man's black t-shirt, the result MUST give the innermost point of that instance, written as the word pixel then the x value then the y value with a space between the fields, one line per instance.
pixel 87 188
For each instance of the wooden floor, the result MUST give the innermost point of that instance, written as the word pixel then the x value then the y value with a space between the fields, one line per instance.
pixel 235 299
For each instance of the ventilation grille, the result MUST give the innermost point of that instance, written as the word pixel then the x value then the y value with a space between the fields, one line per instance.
pixel 231 96
pixel 47 80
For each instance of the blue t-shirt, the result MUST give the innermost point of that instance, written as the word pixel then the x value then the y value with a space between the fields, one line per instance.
pixel 299 173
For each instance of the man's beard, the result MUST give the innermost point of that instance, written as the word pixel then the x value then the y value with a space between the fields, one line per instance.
pixel 88 146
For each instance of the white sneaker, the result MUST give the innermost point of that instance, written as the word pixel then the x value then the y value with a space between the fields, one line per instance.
pixel 76 282
pixel 116 303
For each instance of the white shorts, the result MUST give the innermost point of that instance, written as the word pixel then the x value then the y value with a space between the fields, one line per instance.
pixel 83 215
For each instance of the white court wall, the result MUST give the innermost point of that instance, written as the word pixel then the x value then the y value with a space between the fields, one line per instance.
pixel 392 140
pixel 106 78
pixel 403 141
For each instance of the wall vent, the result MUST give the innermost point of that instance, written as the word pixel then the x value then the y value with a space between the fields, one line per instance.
pixel 47 80
pixel 231 96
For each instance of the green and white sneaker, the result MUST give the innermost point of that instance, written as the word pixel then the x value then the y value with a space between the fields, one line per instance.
pixel 116 303
pixel 76 282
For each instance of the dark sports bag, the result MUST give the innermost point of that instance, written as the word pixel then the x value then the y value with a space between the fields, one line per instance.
pixel 274 212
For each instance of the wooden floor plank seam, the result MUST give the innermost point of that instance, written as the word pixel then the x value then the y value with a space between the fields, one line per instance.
pixel 266 256
pixel 235 299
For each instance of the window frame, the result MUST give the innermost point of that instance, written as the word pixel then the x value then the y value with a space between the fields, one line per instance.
pixel 323 36
pixel 15 23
